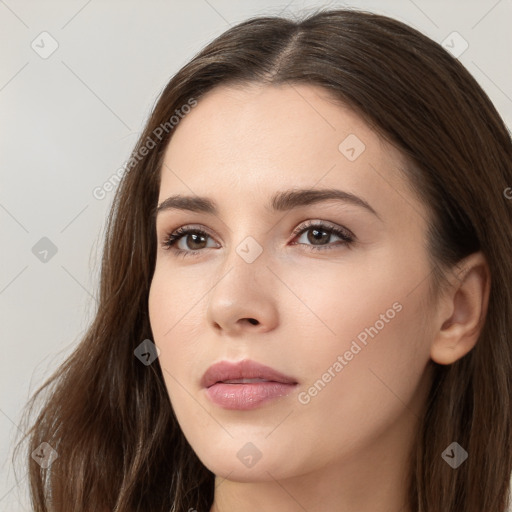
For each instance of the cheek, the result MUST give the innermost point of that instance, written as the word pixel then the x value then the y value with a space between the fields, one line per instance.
pixel 173 307
pixel 372 313
pixel 174 299
pixel 364 376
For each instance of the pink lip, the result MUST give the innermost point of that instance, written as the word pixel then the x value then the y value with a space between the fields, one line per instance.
pixel 243 396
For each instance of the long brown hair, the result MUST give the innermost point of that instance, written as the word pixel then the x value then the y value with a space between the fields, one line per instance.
pixel 109 417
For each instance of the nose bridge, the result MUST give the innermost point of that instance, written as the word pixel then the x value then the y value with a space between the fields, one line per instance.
pixel 243 291
pixel 249 240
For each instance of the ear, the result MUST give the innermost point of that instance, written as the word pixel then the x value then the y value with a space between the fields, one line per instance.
pixel 461 310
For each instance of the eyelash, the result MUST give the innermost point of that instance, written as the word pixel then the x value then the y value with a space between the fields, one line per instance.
pixel 173 238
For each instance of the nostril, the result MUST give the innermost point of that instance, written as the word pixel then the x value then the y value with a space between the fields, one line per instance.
pixel 253 321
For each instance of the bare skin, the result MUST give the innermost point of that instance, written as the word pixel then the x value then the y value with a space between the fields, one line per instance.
pixel 345 446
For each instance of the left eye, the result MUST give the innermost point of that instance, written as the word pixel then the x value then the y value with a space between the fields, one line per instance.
pixel 321 233
pixel 192 240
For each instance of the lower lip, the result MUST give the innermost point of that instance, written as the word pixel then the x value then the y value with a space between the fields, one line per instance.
pixel 246 396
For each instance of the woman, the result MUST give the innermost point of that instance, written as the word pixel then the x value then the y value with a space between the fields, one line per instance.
pixel 305 294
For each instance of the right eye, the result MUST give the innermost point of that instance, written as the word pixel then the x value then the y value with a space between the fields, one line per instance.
pixel 189 238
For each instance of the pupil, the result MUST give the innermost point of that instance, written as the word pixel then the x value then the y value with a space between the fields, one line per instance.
pixel 195 237
pixel 315 238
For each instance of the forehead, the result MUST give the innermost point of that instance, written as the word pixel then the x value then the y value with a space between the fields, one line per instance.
pixel 258 139
pixel 289 120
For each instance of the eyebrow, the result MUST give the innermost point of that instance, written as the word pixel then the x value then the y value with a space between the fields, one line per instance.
pixel 279 202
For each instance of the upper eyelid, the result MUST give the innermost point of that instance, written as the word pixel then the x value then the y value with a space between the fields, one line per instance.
pixel 324 223
pixel 191 227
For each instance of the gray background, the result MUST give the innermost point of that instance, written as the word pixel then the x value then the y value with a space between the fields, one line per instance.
pixel 69 121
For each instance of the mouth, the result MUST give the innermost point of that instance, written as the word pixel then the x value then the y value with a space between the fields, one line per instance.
pixel 243 381
pixel 245 384
pixel 243 372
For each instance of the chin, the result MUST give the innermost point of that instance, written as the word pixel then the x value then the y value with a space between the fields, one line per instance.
pixel 240 462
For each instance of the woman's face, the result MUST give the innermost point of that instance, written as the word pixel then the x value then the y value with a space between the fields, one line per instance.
pixel 345 321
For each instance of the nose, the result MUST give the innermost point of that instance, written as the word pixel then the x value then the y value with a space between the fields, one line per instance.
pixel 244 298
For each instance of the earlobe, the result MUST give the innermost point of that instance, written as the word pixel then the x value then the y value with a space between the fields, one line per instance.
pixel 462 310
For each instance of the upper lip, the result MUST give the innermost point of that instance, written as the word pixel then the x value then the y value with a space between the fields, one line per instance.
pixel 245 369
